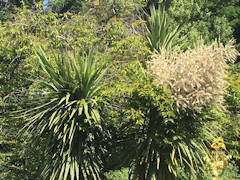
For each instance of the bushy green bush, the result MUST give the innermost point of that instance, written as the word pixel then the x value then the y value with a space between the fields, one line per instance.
pixel 143 129
pixel 230 172
pixel 202 19
pixel 19 67
pixel 117 174
pixel 232 125
pixel 146 120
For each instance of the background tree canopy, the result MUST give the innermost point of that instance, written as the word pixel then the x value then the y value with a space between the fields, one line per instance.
pixel 134 107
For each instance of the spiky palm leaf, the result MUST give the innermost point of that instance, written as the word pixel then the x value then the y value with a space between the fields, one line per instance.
pixel 67 113
pixel 159 33
pixel 160 162
pixel 167 140
pixel 156 159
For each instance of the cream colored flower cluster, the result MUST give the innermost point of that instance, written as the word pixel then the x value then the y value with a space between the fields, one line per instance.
pixel 195 76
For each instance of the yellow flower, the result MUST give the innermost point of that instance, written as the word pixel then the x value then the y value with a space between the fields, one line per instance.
pixel 215 146
pixel 218 143
pixel 218 140
pixel 222 145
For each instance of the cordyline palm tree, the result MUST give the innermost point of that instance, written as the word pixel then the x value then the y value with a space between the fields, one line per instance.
pixel 158 31
pixel 167 144
pixel 166 140
pixel 67 114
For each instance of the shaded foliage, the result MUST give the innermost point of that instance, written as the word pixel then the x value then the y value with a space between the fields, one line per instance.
pixel 140 120
pixel 66 114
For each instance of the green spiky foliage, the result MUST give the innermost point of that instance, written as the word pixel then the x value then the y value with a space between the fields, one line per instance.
pixel 159 33
pixel 67 115
pixel 157 139
pixel 169 139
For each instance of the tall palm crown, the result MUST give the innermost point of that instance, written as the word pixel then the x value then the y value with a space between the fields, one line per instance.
pixel 159 33
pixel 67 114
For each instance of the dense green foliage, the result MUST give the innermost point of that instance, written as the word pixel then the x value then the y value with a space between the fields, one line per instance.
pixel 207 19
pixel 159 34
pixel 157 132
pixel 66 114
pixel 63 115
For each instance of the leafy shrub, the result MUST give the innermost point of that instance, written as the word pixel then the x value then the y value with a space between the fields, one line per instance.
pixel 114 38
pixel 204 19
pixel 232 125
pixel 233 95
pixel 140 119
pixel 117 174
pixel 163 139
pixel 218 166
pixel 230 172
pixel 235 69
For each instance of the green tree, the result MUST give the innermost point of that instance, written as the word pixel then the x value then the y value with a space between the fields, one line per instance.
pixel 160 36
pixel 153 138
pixel 209 20
pixel 67 113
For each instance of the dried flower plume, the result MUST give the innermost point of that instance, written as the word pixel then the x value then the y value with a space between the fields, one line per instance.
pixel 197 76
